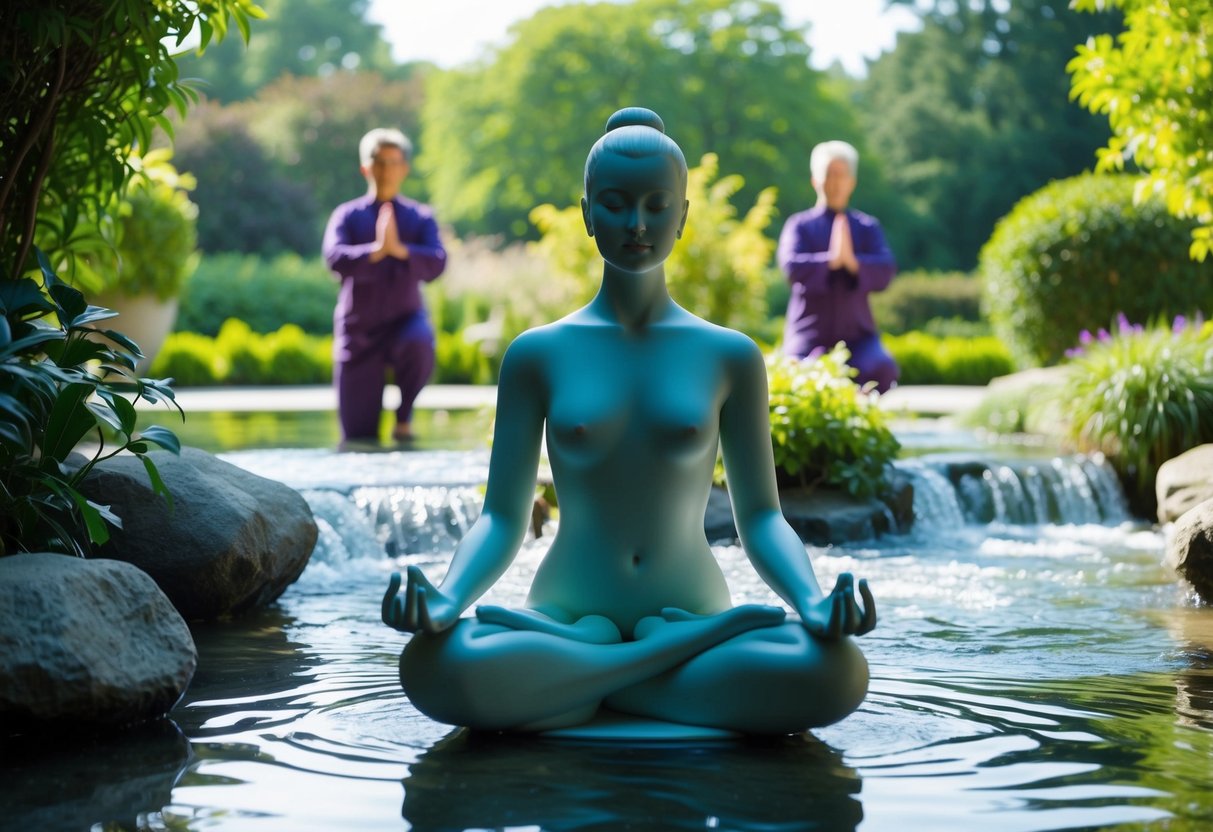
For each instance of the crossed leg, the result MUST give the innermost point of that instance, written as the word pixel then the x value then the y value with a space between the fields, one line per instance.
pixel 742 669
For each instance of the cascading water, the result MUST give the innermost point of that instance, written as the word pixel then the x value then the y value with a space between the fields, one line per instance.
pixel 421 504
pixel 951 490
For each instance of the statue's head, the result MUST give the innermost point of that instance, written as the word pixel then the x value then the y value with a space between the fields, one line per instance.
pixel 634 132
pixel 635 191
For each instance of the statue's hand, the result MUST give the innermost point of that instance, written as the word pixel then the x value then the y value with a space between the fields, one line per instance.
pixel 839 614
pixel 421 608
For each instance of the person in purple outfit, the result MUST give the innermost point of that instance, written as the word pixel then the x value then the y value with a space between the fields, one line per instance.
pixel 382 247
pixel 834 257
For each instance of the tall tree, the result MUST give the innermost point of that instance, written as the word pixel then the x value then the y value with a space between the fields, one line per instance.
pixel 972 112
pixel 728 76
pixel 297 37
pixel 1155 84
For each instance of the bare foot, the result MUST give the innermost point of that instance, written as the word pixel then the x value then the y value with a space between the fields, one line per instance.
pixel 592 629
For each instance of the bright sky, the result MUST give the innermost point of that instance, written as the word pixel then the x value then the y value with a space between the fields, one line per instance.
pixel 453 32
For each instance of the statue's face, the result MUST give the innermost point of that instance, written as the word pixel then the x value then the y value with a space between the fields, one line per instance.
pixel 635 210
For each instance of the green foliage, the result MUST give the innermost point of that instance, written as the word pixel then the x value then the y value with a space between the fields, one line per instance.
pixel 729 77
pixel 292 357
pixel 1155 84
pixel 1077 252
pixel 310 129
pixel 190 360
pixel 927 359
pixel 157 235
pixel 263 292
pixel 247 201
pixel 270 169
pixel 971 113
pixel 85 83
pixel 240 356
pixel 1142 396
pixel 301 38
pixel 915 299
pixel 824 429
pixel 459 361
pixel 58 385
pixel 718 270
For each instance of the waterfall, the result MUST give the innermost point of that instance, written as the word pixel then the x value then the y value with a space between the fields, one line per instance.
pixel 372 506
pixel 962 489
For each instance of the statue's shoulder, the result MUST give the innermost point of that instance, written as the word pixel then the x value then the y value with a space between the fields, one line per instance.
pixel 722 341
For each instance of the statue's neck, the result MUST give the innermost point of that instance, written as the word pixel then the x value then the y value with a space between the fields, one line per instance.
pixel 634 301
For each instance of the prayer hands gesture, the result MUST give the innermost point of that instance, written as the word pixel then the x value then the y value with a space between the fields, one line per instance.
pixel 839 614
pixel 842 247
pixel 422 608
pixel 387 236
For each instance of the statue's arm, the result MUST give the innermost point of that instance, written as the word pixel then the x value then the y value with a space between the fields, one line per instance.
pixel 492 542
pixel 771 544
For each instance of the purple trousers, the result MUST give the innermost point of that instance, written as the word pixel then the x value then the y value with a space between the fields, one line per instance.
pixel 873 362
pixel 409 351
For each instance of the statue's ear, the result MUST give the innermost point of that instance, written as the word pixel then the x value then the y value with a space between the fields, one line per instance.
pixel 686 204
pixel 585 215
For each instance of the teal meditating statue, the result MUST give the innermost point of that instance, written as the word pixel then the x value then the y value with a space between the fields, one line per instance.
pixel 629 612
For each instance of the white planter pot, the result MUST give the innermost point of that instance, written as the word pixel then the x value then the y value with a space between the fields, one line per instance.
pixel 145 319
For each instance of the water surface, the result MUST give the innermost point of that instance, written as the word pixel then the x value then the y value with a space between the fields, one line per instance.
pixel 1035 668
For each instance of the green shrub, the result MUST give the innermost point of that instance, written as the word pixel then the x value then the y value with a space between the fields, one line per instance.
pixel 915 299
pixel 157 236
pixel 292 357
pixel 457 361
pixel 244 353
pixel 264 292
pixel 1078 251
pixel 189 360
pixel 1141 396
pixel 824 429
pixel 926 359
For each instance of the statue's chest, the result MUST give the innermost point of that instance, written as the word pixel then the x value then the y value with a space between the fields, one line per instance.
pixel 634 413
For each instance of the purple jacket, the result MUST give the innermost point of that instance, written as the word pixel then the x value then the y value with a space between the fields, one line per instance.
pixel 376 297
pixel 828 306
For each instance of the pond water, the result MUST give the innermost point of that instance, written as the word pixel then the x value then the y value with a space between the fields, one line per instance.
pixel 1035 668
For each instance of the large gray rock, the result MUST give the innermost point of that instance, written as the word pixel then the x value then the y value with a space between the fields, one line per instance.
pixel 824 516
pixel 1184 482
pixel 232 542
pixel 1190 548
pixel 90 641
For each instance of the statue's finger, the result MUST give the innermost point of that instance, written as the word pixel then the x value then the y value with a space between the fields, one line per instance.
pixel 424 622
pixel 869 609
pixel 393 587
pixel 834 627
pixel 411 592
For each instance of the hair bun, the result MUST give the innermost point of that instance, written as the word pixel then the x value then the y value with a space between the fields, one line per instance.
pixel 635 117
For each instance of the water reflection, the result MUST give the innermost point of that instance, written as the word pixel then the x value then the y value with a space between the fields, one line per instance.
pixel 484 781
pixel 73 782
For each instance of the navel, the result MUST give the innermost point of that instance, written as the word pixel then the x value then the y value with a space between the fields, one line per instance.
pixel 579 430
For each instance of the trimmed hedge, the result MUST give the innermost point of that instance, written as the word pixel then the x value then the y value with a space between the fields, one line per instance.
pixel 264 292
pixel 1078 252
pixel 927 359
pixel 916 300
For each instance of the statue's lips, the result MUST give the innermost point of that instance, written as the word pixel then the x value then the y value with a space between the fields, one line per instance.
pixel 636 246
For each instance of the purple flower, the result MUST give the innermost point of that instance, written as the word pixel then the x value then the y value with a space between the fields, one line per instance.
pixel 1122 324
pixel 1179 324
pixel 1103 335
